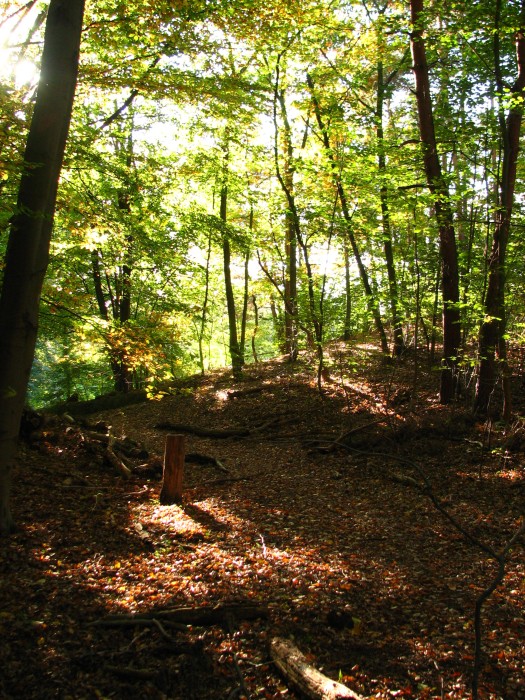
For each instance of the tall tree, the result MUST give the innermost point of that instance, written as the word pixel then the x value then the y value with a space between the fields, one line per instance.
pixel 441 201
pixel 492 331
pixel 383 82
pixel 338 182
pixel 236 353
pixel 28 246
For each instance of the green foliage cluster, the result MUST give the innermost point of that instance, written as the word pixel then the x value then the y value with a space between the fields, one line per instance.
pixel 179 103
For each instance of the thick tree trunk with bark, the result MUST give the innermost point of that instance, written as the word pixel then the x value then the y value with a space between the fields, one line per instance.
pixel 492 331
pixel 439 190
pixel 28 246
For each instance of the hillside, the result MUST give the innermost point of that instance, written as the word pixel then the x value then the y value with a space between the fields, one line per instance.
pixel 323 508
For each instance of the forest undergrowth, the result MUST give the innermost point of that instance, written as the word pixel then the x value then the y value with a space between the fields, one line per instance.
pixel 318 513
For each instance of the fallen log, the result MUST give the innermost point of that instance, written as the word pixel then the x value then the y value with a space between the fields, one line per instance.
pixel 240 393
pixel 126 446
pixel 134 674
pixel 306 678
pixel 206 615
pixel 207 460
pixel 202 432
pixel 225 433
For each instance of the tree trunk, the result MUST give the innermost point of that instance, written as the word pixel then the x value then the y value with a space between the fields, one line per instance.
pixel 492 331
pixel 235 351
pixel 244 315
pixel 173 471
pixel 28 245
pixel 348 294
pixel 204 314
pixel 292 217
pixel 373 305
pixel 388 249
pixel 439 190
pixel 120 365
pixel 286 180
pixel 290 282
pixel 255 328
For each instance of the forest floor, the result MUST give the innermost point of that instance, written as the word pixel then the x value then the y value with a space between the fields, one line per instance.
pixel 317 514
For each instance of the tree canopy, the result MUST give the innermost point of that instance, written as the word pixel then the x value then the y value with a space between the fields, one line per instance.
pixel 259 174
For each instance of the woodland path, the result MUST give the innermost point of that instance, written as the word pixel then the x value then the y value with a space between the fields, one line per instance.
pixel 317 532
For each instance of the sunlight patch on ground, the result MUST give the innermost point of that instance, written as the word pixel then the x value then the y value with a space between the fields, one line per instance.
pixel 173 519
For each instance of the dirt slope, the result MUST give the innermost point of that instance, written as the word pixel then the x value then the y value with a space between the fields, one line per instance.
pixel 314 518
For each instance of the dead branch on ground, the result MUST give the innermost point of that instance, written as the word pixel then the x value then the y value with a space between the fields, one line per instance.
pixel 202 432
pixel 206 615
pixel 221 434
pixel 304 677
pixel 205 460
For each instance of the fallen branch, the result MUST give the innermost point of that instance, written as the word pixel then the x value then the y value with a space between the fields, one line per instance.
pixel 207 615
pixel 126 446
pixel 197 458
pixel 134 674
pixel 117 463
pixel 307 679
pixel 114 621
pixel 225 433
pixel 239 393
pixel 227 480
pixel 202 432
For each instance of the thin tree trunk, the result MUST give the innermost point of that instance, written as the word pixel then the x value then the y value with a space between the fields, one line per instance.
pixel 255 328
pixel 290 283
pixel 286 180
pixel 492 331
pixel 235 352
pixel 119 360
pixel 348 294
pixel 348 219
pixel 244 315
pixel 28 245
pixel 388 249
pixel 439 189
pixel 204 306
pixel 278 326
pixel 287 184
pixel 97 283
pixel 435 305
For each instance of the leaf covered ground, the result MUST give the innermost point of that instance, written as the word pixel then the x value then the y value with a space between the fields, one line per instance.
pixel 311 515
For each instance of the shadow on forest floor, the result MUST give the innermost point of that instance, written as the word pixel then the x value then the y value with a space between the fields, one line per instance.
pixel 310 519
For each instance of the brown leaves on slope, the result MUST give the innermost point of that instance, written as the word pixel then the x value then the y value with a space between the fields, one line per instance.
pixel 315 529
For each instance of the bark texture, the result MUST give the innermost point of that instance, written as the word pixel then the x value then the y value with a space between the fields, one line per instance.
pixel 439 189
pixel 28 245
pixel 492 331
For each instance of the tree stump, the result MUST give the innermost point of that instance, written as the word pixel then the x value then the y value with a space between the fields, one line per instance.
pixel 173 470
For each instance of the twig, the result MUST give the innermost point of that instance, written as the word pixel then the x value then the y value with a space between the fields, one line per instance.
pixel 499 557
pixel 161 629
